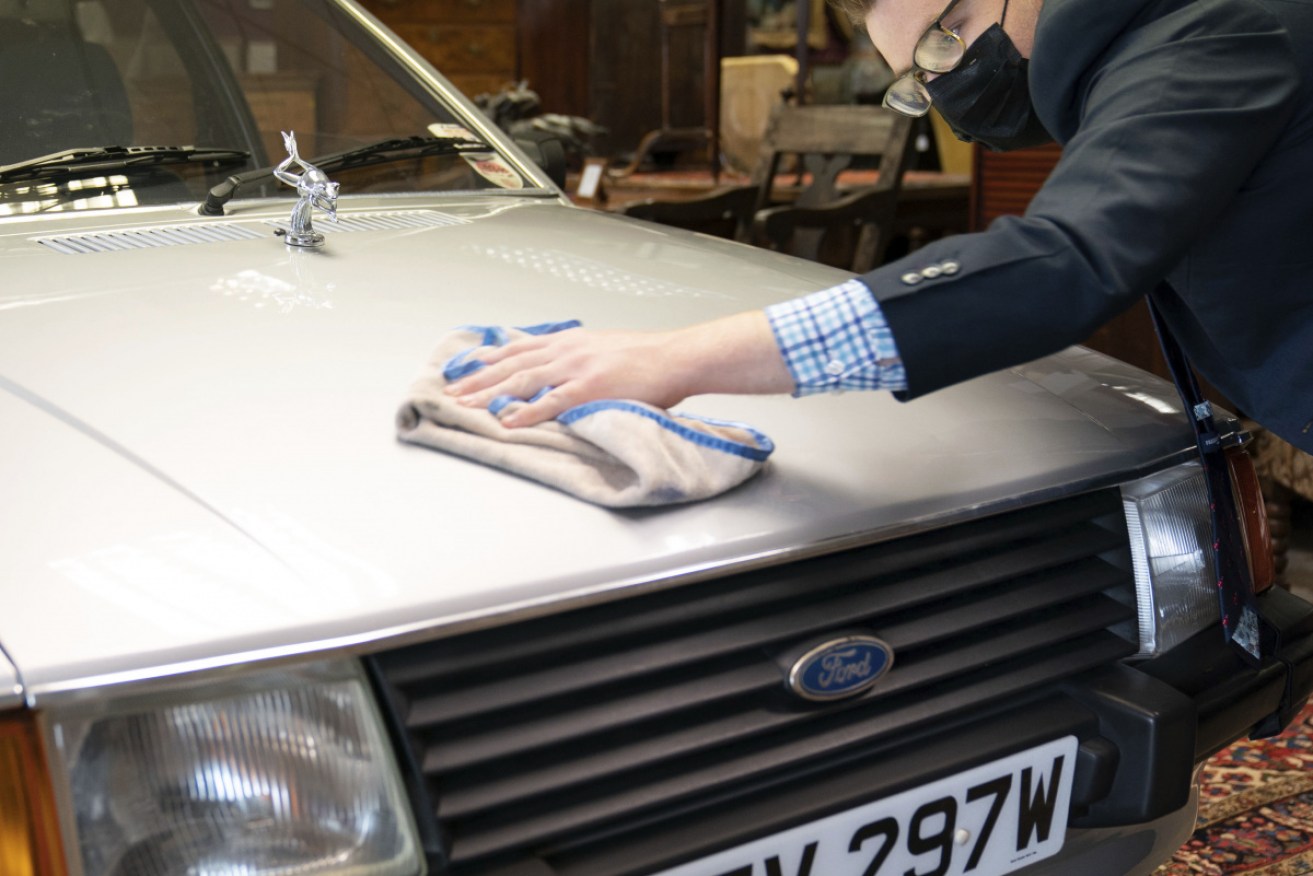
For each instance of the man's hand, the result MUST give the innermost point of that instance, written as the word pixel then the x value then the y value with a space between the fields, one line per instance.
pixel 733 355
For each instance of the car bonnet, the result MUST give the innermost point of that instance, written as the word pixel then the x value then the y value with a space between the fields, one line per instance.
pixel 201 467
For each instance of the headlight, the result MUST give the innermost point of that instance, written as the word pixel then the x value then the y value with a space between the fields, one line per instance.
pixel 1171 548
pixel 287 773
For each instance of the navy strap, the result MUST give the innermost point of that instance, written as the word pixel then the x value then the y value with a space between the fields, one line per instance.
pixel 1242 625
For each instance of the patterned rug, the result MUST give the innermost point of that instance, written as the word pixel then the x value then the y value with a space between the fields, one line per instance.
pixel 1255 809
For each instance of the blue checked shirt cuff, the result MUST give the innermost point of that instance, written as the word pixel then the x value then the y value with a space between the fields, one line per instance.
pixel 837 340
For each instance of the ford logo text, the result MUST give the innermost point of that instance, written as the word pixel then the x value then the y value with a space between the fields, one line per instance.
pixel 840 668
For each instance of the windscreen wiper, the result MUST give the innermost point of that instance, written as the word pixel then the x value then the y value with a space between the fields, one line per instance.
pixel 394 149
pixel 111 159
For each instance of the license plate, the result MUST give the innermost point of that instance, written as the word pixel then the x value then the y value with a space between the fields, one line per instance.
pixel 989 820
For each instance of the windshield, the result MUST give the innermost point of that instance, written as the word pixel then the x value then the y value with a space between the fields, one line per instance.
pixel 217 74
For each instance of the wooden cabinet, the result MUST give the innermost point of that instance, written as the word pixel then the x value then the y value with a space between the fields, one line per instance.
pixel 648 68
pixel 1004 182
pixel 471 42
pixel 601 59
pixel 554 52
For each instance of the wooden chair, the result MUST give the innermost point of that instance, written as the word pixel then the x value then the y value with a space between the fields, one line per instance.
pixel 725 214
pixel 850 231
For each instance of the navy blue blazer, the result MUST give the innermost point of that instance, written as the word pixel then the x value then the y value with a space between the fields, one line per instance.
pixel 1187 128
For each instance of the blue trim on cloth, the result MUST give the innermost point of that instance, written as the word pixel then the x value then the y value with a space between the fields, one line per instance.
pixel 548 328
pixel 490 335
pixel 714 442
pixel 497 405
pixel 457 367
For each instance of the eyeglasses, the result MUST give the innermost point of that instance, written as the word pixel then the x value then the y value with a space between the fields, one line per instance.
pixel 938 51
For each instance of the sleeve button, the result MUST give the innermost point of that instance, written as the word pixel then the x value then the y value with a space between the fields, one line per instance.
pixel 911 278
pixel 932 272
pixel 834 368
pixel 950 268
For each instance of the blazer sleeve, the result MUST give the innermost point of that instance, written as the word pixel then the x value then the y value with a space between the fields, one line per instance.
pixel 1173 123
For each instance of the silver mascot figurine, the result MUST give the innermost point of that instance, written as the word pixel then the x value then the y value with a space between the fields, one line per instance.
pixel 315 189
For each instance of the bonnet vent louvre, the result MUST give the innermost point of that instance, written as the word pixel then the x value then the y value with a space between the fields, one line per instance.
pixel 217 232
pixel 382 221
pixel 147 238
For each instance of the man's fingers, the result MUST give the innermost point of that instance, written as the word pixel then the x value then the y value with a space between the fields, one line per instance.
pixel 521 384
pixel 495 371
pixel 524 367
pixel 512 349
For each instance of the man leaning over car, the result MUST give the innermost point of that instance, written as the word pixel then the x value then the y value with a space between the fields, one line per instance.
pixel 1187 134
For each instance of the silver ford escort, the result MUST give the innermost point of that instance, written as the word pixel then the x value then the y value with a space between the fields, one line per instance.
pixel 248 631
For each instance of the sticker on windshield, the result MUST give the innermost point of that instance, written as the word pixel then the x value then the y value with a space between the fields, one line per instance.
pixel 453 132
pixel 494 170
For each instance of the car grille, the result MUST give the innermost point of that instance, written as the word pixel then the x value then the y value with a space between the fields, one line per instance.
pixel 539 737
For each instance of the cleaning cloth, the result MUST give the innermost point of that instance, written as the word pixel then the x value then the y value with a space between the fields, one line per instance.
pixel 616 453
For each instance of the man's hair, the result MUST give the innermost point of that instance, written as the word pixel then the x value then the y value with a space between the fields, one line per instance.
pixel 855 9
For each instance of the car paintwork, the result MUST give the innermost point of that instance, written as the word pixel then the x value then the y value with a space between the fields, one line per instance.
pixel 202 468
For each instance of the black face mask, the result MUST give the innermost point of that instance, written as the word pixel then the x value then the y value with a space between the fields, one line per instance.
pixel 987 98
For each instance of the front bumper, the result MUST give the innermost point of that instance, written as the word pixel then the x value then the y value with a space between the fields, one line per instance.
pixel 1160 718
pixel 1126 850
pixel 1232 699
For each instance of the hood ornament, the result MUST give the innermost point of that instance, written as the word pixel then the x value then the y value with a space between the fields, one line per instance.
pixel 315 189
